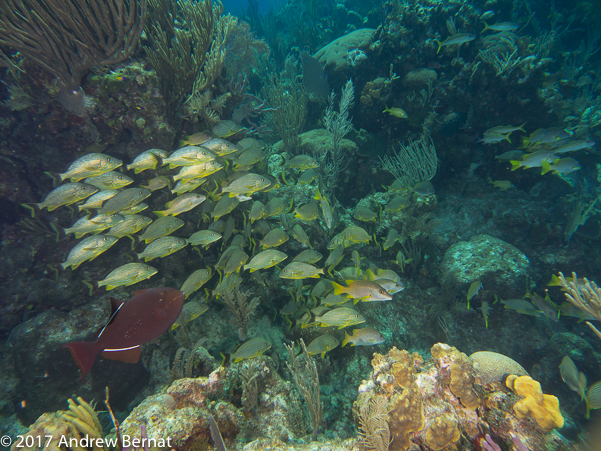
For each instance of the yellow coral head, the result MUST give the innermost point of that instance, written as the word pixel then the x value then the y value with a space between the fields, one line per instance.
pixel 544 409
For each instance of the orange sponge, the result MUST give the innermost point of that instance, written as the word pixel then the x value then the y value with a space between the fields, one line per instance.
pixel 544 409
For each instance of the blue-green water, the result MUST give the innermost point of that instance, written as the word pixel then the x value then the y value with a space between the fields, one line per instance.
pixel 361 176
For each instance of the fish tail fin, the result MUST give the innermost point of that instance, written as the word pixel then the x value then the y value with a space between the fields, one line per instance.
pixel 508 138
pixel 34 208
pixel 317 195
pixel 439 45
pixel 515 164
pixel 135 240
pixel 225 358
pixel 546 167
pixel 338 289
pixel 486 27
pixel 554 281
pixel 60 231
pixel 521 127
pixel 160 214
pixel 56 178
pixel 159 162
pixel 84 355
pixel 56 268
pixel 93 286
pixel 347 337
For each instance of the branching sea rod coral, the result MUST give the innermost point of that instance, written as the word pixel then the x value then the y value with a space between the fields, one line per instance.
pixel 288 101
pixel 585 295
pixel 67 37
pixel 413 163
pixel 307 382
pixel 187 46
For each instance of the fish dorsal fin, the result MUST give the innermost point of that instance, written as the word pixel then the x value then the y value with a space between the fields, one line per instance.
pixel 116 305
pixel 370 275
pixel 127 355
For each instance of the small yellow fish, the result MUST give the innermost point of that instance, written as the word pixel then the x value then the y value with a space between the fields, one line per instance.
pixel 162 247
pixel 196 139
pixel 88 249
pixel 397 204
pixel 326 209
pixel 224 206
pixel 124 200
pixel 187 173
pixel 131 224
pixel 308 256
pixel 322 344
pixel 195 281
pixel 95 201
pixel 396 112
pixel 160 228
pixel 307 177
pixel 87 225
pixel 249 157
pixel 220 147
pixel 134 209
pixel 109 180
pixel 236 261
pixel 189 156
pixel 352 234
pixel 365 214
pixel 340 317
pixel 472 291
pixel 275 237
pixel 226 128
pixel 189 185
pixel 302 162
pixel 247 185
pixel 300 235
pixel 362 290
pixel 274 207
pixel 181 204
pixel 203 238
pixel 149 159
pixel 156 183
pixel 257 211
pixel 265 259
pixel 66 194
pixel 90 165
pixel 307 212
pixel 574 379
pixel 501 184
pixel 391 238
pixel 367 336
pixel 254 347
pixel 299 270
pixel 190 311
pixel 124 276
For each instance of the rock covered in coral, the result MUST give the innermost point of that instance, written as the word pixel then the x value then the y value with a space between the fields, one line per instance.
pixel 345 51
pixel 438 404
pixel 501 267
pixel 270 407
pixel 493 367
pixel 317 141
pixel 182 413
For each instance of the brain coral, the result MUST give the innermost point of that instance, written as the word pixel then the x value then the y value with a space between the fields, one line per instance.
pixel 334 56
pixel 491 366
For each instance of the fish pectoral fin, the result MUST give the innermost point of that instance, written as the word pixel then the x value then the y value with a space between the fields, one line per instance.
pixel 127 355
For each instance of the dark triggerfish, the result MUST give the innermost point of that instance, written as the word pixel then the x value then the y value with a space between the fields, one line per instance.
pixel 145 317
